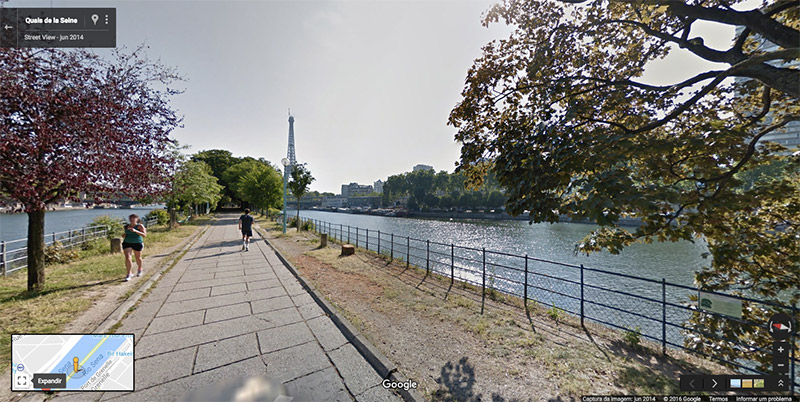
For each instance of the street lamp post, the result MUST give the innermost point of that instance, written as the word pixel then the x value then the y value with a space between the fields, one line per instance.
pixel 285 162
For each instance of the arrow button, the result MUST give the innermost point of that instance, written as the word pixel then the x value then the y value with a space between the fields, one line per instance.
pixel 7 27
pixel 691 382
pixel 714 383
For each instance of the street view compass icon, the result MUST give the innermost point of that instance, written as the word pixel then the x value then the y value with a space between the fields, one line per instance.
pixel 780 326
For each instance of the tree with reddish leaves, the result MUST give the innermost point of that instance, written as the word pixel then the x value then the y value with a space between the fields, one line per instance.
pixel 72 122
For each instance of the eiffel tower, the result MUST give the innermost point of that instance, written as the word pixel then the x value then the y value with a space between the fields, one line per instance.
pixel 290 153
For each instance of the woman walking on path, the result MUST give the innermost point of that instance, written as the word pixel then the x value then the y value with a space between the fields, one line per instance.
pixel 135 233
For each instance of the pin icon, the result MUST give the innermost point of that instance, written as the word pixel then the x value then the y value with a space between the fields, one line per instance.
pixel 75 363
pixel 95 17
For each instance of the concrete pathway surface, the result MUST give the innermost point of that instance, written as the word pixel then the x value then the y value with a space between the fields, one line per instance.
pixel 222 314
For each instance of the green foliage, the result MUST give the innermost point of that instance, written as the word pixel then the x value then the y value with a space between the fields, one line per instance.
pixel 427 190
pixel 56 253
pixel 554 313
pixel 260 185
pixel 304 224
pixel 192 184
pixel 559 114
pixel 300 181
pixel 161 215
pixel 633 337
pixel 114 225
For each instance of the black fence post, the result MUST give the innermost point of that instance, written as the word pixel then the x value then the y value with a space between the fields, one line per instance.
pixel 452 264
pixel 391 247
pixel 348 234
pixel 356 236
pixel 3 257
pixel 427 257
pixel 367 239
pixel 525 297
pixel 794 346
pixel 408 251
pixel 379 242
pixel 483 283
pixel 663 316
pixel 341 232
pixel 582 315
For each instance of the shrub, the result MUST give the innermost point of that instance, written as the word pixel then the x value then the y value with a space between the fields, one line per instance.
pixel 114 225
pixel 161 215
pixel 634 337
pixel 56 253
pixel 554 313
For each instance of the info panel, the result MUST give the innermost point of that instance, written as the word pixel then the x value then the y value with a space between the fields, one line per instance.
pixel 58 27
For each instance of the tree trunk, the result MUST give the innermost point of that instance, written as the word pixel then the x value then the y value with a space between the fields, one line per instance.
pixel 36 250
pixel 298 214
pixel 173 217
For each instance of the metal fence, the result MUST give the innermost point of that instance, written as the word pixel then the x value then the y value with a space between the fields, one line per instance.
pixel 658 310
pixel 14 253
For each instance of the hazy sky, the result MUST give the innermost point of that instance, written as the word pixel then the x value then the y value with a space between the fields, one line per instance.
pixel 371 84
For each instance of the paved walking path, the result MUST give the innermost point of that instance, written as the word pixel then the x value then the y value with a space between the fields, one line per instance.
pixel 221 313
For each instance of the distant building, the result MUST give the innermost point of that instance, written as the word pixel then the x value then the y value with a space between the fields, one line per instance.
pixel 355 190
pixel 334 202
pixel 364 202
pixel 378 186
pixel 421 167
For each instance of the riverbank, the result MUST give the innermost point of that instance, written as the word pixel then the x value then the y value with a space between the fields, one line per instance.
pixel 437 335
pixel 74 288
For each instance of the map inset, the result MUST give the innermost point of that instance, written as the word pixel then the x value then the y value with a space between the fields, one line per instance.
pixel 74 362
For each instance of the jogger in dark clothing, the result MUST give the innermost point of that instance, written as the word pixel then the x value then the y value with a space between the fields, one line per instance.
pixel 246 226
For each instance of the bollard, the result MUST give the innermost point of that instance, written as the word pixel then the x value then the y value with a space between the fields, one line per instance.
pixel 116 245
pixel 323 240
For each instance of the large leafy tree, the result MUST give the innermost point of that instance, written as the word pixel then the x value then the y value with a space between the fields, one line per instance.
pixel 299 185
pixel 261 186
pixel 560 113
pixel 192 184
pixel 219 160
pixel 72 122
pixel 233 174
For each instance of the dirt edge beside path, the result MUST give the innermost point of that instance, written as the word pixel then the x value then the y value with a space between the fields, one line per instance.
pixel 437 336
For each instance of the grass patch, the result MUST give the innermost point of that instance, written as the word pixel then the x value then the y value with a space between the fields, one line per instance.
pixel 70 288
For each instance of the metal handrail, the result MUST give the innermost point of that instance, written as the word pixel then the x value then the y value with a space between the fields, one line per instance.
pixel 420 250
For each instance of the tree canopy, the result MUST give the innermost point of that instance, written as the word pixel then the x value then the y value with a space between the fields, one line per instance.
pixel 301 179
pixel 193 184
pixel 559 112
pixel 73 122
pixel 427 189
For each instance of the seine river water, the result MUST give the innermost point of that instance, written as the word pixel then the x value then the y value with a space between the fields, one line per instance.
pixel 676 262
pixel 15 226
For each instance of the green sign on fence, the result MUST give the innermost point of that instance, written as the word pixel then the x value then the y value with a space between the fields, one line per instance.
pixel 719 304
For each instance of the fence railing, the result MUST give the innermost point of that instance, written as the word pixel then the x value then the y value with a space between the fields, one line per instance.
pixel 14 253
pixel 658 310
